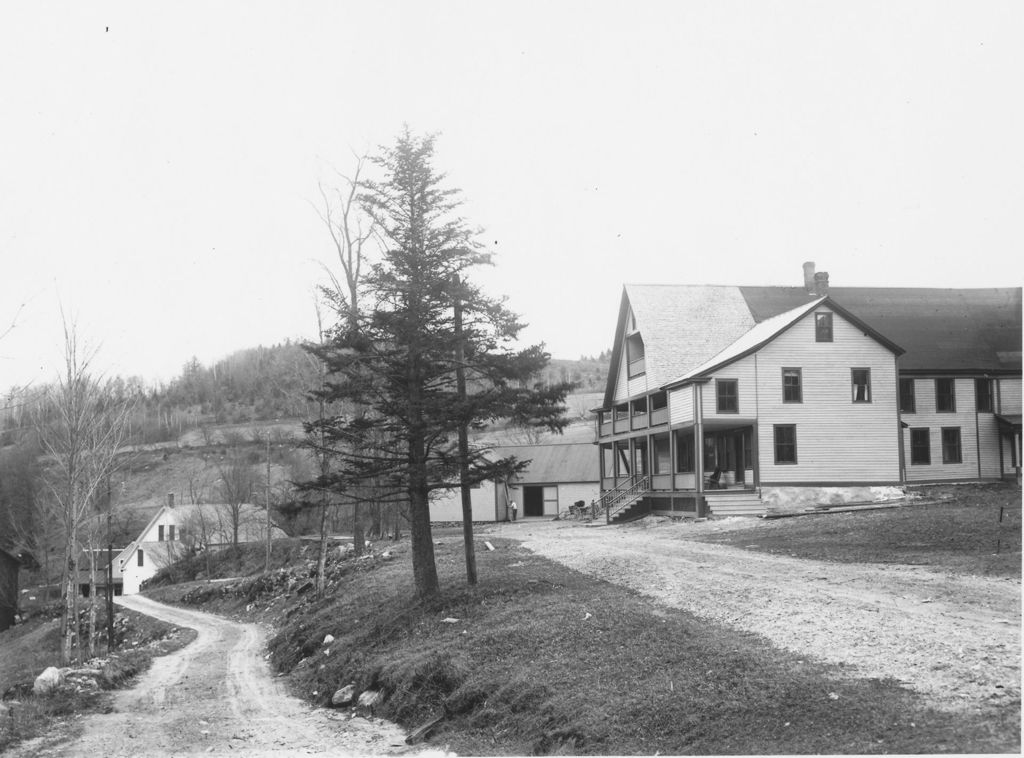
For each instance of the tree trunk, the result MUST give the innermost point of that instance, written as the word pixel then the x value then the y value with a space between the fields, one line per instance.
pixel 321 562
pixel 92 605
pixel 423 568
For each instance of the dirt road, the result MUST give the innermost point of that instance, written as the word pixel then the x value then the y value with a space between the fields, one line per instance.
pixel 217 696
pixel 955 639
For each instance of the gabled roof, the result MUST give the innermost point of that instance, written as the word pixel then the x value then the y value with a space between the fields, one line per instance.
pixel 942 330
pixel 251 525
pixel 552 464
pixel 771 328
pixel 682 326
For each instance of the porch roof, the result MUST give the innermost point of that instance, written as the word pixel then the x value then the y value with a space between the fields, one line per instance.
pixel 718 424
pixel 1009 422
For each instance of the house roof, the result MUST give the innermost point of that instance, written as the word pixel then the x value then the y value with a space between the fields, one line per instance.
pixel 551 464
pixel 967 331
pixel 682 326
pixel 942 330
pixel 769 329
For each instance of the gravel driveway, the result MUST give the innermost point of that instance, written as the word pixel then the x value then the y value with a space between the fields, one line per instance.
pixel 216 696
pixel 953 638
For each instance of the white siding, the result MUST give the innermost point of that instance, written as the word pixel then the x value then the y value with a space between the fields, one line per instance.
pixel 447 504
pixel 988 444
pixel 743 371
pixel 680 405
pixel 837 440
pixel 1010 395
pixel 570 493
pixel 926 417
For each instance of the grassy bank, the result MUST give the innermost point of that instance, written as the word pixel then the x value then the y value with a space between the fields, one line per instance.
pixel 27 649
pixel 963 532
pixel 540 659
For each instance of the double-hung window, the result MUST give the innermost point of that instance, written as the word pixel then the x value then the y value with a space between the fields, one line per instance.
pixel 951 452
pixel 861 385
pixel 945 395
pixel 920 447
pixel 792 386
pixel 728 395
pixel 907 399
pixel 983 395
pixel 785 443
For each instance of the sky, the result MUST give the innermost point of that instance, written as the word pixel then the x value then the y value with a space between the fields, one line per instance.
pixel 160 162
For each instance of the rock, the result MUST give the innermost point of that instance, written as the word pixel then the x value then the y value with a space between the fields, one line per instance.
pixel 328 639
pixel 47 681
pixel 344 696
pixel 449 620
pixel 370 698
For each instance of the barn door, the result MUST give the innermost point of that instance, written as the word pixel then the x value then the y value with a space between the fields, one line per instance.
pixel 533 501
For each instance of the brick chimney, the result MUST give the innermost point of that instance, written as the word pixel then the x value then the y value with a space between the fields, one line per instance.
pixel 170 499
pixel 821 283
pixel 809 277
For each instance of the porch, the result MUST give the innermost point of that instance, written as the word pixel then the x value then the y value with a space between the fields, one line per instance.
pixel 666 472
pixel 672 463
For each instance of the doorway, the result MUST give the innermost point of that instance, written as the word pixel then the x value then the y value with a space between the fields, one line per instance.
pixel 533 501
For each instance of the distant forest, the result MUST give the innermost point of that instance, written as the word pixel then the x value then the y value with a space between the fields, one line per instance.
pixel 254 384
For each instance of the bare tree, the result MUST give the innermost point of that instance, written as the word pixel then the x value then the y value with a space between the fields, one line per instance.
pixel 236 486
pixel 350 229
pixel 80 428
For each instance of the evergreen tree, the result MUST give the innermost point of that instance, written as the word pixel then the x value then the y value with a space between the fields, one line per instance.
pixel 396 362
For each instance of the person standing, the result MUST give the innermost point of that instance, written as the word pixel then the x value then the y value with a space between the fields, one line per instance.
pixel 514 508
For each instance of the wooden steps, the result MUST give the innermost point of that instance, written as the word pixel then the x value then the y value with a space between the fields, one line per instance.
pixel 734 503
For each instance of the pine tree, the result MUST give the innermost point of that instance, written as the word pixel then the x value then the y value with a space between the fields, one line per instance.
pixel 396 362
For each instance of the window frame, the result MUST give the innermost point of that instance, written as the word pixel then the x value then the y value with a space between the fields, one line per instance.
pixel 160 533
pixel 908 382
pixel 866 385
pixel 636 364
pixel 735 384
pixel 927 447
pixel 989 395
pixel 959 445
pixel 141 558
pixel 952 395
pixel 799 385
pixel 824 327
pixel 685 458
pixel 776 428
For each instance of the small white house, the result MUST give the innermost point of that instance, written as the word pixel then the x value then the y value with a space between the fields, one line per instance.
pixel 176 530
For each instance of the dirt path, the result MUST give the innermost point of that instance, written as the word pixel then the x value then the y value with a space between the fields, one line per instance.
pixel 217 696
pixel 955 639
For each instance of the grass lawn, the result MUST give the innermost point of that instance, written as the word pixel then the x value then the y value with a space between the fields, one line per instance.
pixel 541 659
pixel 28 648
pixel 963 534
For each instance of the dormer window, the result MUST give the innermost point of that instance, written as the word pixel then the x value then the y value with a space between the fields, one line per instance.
pixel 635 355
pixel 823 327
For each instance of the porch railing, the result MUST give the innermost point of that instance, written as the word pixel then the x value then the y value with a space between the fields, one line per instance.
pixel 614 500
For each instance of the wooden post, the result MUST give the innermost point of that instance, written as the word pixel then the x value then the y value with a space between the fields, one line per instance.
pixel 267 566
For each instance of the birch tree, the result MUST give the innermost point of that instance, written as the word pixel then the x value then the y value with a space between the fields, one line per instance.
pixel 81 426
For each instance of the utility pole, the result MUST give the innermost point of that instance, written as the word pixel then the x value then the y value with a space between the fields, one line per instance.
pixel 267 570
pixel 460 388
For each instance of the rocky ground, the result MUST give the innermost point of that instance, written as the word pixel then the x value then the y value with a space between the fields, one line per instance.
pixel 217 696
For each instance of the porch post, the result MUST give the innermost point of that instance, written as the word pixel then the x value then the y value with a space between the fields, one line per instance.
pixel 698 442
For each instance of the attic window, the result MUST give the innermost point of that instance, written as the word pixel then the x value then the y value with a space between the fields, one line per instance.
pixel 635 355
pixel 823 327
